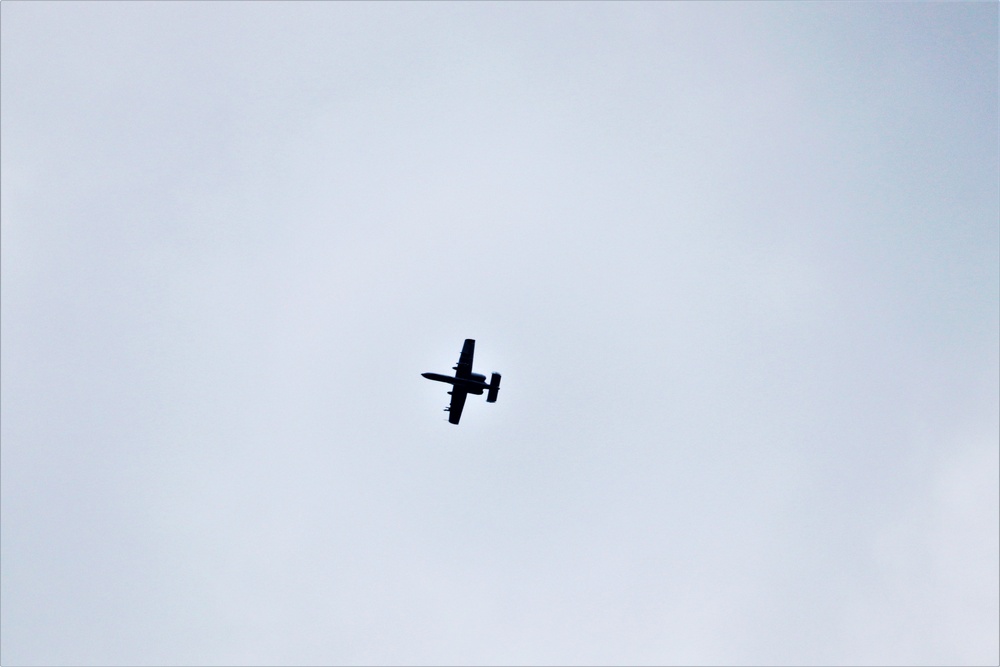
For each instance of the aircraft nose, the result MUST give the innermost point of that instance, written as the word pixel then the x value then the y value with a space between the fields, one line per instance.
pixel 426 375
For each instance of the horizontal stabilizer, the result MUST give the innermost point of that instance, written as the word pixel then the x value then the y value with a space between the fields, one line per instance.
pixel 491 397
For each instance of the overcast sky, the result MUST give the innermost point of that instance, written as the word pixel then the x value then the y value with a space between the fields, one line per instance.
pixel 738 263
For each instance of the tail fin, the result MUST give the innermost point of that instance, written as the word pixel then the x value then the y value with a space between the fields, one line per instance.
pixel 491 397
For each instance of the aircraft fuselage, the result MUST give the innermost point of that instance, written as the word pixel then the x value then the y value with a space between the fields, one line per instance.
pixel 474 385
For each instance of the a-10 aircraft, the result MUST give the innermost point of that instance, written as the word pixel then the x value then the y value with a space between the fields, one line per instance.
pixel 466 382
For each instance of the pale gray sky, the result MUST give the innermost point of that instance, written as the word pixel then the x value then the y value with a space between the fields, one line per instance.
pixel 738 263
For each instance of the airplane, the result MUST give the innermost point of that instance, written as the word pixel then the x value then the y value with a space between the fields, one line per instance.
pixel 466 382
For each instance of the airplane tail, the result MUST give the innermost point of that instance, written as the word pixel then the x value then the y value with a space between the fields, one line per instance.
pixel 491 397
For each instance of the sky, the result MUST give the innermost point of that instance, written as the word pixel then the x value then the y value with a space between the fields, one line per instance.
pixel 738 263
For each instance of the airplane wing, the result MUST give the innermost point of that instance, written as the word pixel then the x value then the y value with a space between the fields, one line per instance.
pixel 457 403
pixel 464 367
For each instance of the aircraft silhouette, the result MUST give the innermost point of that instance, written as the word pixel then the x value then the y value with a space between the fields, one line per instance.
pixel 466 382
